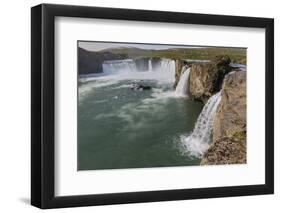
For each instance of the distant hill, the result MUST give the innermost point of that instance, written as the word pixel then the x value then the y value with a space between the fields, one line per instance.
pixel 209 53
pixel 91 62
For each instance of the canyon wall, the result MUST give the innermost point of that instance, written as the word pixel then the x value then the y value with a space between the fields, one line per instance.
pixel 229 128
pixel 228 144
pixel 206 78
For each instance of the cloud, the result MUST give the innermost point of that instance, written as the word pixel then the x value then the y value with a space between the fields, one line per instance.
pixel 97 45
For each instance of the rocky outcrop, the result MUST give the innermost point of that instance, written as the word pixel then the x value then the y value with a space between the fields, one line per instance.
pixel 225 151
pixel 230 120
pixel 229 128
pixel 206 78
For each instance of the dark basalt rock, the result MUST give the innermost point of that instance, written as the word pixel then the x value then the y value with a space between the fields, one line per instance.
pixel 140 87
pixel 222 60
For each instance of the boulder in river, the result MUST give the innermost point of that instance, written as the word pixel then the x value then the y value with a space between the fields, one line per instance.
pixel 140 87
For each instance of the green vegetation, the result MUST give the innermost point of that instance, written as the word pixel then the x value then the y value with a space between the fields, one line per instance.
pixel 237 55
pixel 241 136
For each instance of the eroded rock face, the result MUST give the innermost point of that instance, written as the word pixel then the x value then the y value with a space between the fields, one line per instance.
pixel 229 128
pixel 201 80
pixel 230 119
pixel 206 78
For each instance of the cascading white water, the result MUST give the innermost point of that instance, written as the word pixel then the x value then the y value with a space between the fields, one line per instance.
pixel 198 142
pixel 166 69
pixel 116 66
pixel 183 84
pixel 163 72
pixel 149 65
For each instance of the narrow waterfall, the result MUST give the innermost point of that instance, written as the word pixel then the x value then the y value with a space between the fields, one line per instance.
pixel 183 84
pixel 149 65
pixel 198 142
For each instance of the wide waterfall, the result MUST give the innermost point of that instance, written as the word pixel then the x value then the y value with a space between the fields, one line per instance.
pixel 198 142
pixel 163 71
pixel 183 84
pixel 115 66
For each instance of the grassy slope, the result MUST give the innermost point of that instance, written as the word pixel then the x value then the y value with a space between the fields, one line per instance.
pixel 236 54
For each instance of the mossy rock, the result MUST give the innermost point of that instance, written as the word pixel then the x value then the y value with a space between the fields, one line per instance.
pixel 241 136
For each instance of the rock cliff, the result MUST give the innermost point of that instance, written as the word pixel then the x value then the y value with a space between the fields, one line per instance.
pixel 225 151
pixel 206 78
pixel 229 128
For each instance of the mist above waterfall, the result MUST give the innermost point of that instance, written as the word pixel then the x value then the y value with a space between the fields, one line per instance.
pixel 117 66
pixel 114 70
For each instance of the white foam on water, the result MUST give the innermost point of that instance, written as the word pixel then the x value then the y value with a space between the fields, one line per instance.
pixel 85 88
pixel 159 96
pixel 122 86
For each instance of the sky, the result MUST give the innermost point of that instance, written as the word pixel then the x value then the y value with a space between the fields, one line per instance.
pixel 97 46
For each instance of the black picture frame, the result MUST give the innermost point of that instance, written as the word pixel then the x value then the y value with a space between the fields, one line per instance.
pixel 43 102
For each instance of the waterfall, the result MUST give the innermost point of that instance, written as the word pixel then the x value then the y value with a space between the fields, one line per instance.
pixel 149 65
pixel 198 142
pixel 165 65
pixel 115 66
pixel 183 84
pixel 162 72
pixel 166 69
